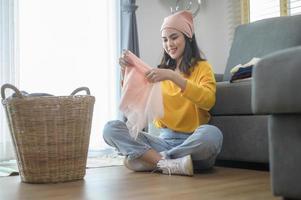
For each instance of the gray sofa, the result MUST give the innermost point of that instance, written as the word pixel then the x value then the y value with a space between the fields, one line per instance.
pixel 245 133
pixel 276 91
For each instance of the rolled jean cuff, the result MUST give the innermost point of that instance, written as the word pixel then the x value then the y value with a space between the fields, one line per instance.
pixel 138 154
pixel 164 154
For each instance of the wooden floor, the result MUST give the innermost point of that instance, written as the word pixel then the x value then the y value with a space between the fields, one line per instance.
pixel 119 183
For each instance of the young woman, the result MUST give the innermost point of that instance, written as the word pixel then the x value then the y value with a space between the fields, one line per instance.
pixel 186 141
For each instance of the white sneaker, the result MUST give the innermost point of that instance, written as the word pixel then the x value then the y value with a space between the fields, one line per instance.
pixel 163 154
pixel 138 165
pixel 180 166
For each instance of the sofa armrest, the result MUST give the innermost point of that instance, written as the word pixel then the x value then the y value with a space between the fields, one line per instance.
pixel 218 77
pixel 276 83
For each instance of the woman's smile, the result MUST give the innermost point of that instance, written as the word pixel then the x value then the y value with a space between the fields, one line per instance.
pixel 172 51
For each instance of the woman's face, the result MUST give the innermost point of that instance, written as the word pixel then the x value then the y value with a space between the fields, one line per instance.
pixel 173 43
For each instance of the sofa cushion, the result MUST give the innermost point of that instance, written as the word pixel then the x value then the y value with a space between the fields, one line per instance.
pixel 261 38
pixel 232 98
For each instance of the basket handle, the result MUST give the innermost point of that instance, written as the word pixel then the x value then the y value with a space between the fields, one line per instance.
pixel 7 85
pixel 80 89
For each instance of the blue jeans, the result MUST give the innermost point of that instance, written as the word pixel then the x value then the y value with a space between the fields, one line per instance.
pixel 204 144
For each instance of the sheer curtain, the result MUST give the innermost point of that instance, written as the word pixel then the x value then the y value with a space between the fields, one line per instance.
pixel 72 43
pixel 8 67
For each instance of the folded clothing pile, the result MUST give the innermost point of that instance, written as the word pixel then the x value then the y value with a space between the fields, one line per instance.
pixel 243 72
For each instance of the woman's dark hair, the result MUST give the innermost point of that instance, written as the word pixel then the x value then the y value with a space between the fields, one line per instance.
pixel 191 56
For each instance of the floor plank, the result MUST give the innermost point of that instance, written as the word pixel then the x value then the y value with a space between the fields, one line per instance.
pixel 119 183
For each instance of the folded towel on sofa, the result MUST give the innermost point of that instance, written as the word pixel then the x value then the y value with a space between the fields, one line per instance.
pixel 243 71
pixel 252 62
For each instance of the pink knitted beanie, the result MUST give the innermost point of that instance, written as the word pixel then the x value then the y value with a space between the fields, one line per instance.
pixel 181 21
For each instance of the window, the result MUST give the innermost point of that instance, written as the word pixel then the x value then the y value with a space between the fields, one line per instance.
pixel 260 9
pixel 253 10
pixel 294 7
pixel 68 44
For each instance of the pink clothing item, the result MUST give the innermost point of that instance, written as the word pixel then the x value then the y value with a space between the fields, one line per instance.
pixel 141 101
pixel 181 21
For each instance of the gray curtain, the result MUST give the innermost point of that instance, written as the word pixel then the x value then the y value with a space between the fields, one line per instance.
pixel 129 34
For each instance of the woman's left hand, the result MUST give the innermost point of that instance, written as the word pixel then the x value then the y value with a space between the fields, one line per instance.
pixel 156 75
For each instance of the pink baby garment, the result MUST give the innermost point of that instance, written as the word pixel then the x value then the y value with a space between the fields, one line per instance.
pixel 141 101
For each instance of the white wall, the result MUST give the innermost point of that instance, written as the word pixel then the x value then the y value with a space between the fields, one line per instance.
pixel 212 27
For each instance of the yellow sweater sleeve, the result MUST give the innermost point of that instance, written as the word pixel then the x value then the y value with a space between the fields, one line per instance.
pixel 201 87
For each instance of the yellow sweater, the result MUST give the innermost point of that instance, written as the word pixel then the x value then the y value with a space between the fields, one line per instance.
pixel 187 110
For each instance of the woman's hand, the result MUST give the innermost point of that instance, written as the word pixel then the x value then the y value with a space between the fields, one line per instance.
pixel 156 75
pixel 123 62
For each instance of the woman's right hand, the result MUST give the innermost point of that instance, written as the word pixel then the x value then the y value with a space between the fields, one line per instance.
pixel 123 62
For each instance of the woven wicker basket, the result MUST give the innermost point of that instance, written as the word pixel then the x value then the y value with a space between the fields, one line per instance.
pixel 50 134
